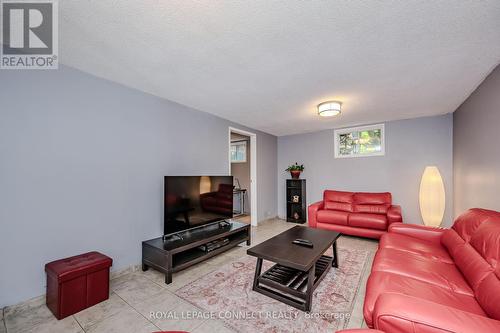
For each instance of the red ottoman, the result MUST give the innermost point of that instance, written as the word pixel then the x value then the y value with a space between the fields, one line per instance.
pixel 76 283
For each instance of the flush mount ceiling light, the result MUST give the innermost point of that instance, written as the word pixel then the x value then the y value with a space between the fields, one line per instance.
pixel 329 109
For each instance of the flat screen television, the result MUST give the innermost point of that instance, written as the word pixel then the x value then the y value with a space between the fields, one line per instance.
pixel 192 201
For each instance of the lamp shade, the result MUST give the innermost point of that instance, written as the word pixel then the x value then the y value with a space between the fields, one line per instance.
pixel 205 184
pixel 432 197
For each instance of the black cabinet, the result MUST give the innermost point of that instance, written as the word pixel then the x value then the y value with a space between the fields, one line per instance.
pixel 296 200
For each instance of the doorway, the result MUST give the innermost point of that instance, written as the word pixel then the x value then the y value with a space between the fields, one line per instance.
pixel 243 168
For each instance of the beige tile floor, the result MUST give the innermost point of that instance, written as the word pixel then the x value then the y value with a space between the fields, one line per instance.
pixel 134 295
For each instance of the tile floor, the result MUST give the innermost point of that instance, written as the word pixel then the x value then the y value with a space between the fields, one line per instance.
pixel 134 295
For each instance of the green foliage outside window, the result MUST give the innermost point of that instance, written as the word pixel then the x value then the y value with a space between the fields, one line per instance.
pixel 360 142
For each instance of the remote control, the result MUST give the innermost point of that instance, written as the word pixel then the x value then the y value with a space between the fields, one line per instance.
pixel 303 242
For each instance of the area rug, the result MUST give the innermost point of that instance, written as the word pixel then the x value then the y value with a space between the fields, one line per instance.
pixel 226 293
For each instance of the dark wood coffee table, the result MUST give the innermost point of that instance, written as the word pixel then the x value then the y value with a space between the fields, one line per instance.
pixel 298 270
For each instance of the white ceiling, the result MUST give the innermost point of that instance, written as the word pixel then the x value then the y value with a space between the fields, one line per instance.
pixel 267 64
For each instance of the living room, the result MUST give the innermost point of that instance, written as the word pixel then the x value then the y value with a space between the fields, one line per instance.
pixel 370 195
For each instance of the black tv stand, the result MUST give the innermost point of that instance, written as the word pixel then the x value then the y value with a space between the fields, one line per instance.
pixel 173 253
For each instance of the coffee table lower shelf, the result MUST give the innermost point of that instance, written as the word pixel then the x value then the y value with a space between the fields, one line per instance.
pixel 291 286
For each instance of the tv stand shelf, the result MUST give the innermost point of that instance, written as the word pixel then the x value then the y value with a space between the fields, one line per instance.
pixel 172 254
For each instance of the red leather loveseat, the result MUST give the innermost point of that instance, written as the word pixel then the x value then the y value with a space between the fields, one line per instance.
pixel 437 280
pixel 355 213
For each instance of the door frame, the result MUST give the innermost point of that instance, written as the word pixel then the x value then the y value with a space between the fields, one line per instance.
pixel 253 169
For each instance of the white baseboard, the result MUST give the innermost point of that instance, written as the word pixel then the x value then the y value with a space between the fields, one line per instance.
pixel 39 300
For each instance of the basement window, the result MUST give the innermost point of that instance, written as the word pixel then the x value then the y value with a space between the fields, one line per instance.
pixel 238 152
pixel 360 141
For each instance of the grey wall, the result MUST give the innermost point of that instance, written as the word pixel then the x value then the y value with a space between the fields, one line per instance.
pixel 476 147
pixel 267 161
pixel 411 145
pixel 242 171
pixel 82 162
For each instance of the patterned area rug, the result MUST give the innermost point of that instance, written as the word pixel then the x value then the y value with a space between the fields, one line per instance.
pixel 227 294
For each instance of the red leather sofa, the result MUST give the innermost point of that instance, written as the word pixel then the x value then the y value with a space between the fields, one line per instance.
pixel 220 201
pixel 354 213
pixel 437 280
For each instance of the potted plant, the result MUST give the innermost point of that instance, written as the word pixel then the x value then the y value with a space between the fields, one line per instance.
pixel 295 170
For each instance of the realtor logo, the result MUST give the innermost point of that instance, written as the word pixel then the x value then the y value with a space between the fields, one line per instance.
pixel 29 38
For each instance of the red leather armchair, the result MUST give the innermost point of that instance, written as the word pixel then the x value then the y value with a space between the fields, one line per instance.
pixel 437 280
pixel 355 213
pixel 220 201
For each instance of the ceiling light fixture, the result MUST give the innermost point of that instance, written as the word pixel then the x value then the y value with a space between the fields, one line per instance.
pixel 329 109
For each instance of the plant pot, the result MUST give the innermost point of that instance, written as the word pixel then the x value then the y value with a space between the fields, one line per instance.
pixel 295 174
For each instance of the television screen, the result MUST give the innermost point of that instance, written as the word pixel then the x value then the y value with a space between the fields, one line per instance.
pixel 192 201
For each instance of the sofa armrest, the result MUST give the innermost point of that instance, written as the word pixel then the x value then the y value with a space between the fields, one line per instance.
pixel 401 313
pixel 422 232
pixel 312 210
pixel 394 214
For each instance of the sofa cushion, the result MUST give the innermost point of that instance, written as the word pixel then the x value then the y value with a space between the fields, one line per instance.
pixel 385 282
pixel 341 206
pixel 467 223
pixel 373 221
pixel 486 241
pixel 332 216
pixel 373 198
pixel 352 231
pixel 414 245
pixel 445 275
pixel 338 196
pixel 372 209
